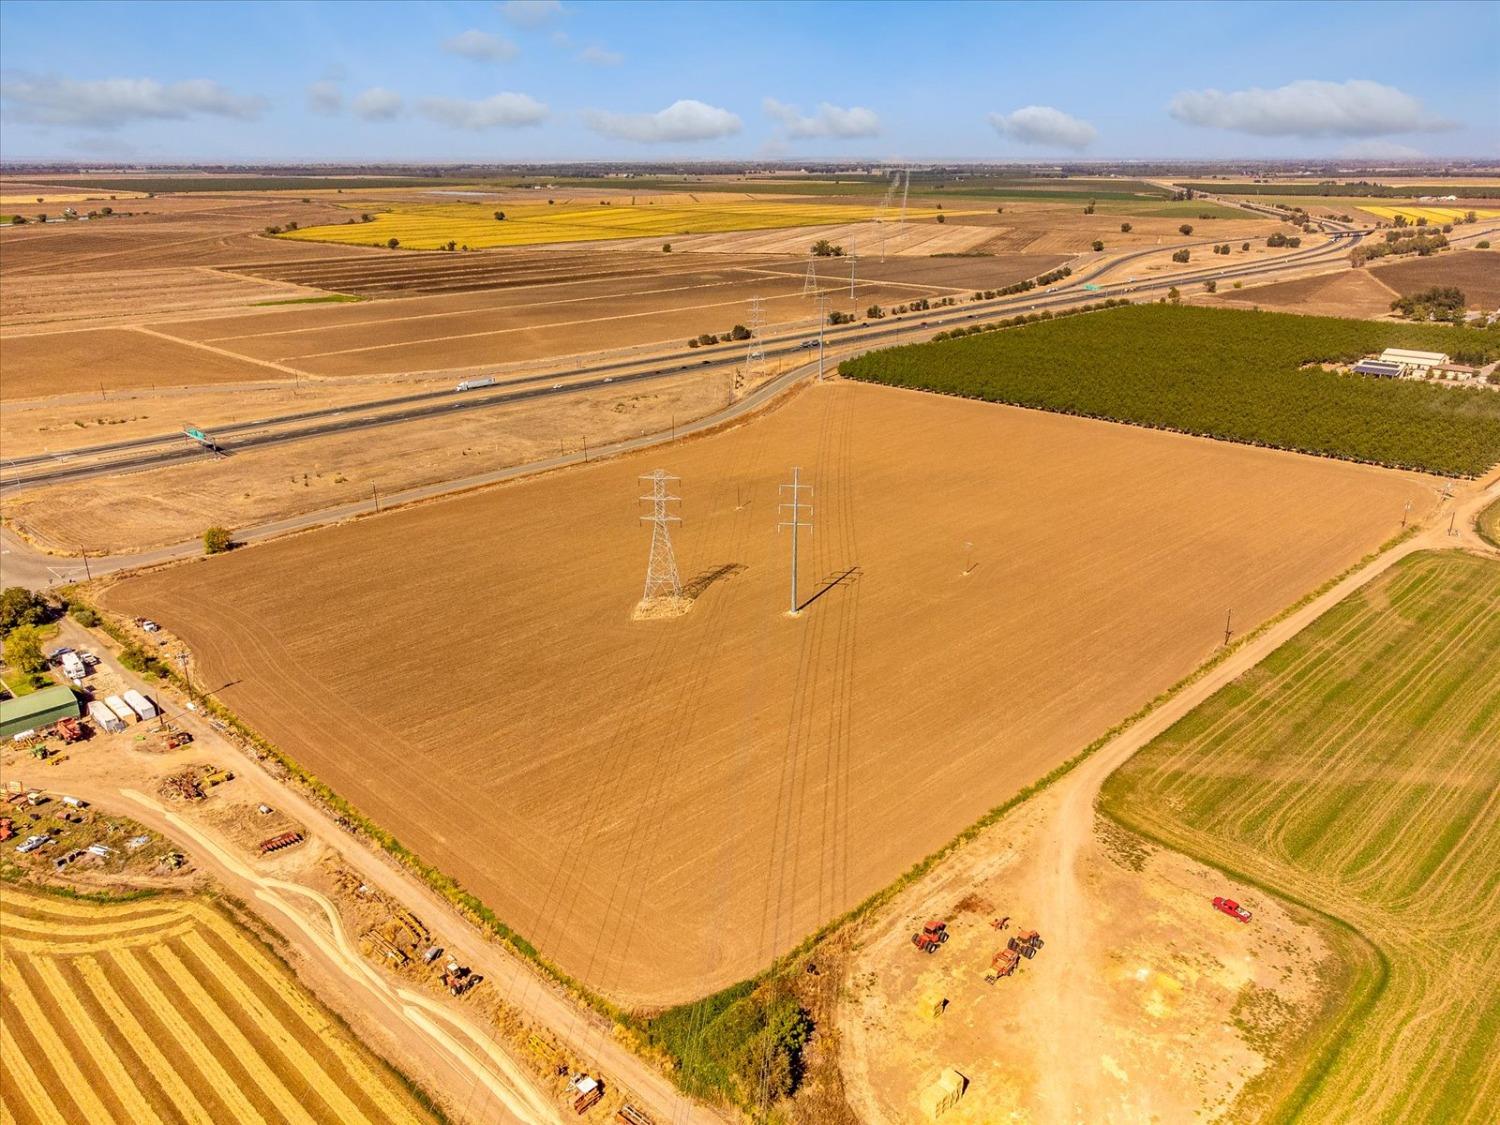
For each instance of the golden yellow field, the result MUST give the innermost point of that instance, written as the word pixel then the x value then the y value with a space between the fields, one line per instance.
pixel 164 1010
pixel 1435 215
pixel 432 226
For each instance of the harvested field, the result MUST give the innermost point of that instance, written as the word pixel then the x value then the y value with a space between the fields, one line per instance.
pixel 1476 272
pixel 514 325
pixel 1354 770
pixel 432 226
pixel 162 233
pixel 1359 293
pixel 736 777
pixel 132 294
pixel 41 364
pixel 1436 216
pixel 257 486
pixel 164 1010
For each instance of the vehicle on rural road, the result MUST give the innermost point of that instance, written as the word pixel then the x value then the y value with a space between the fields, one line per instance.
pixel 475 384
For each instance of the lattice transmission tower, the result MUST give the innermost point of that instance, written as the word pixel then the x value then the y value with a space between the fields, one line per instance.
pixel 661 569
pixel 755 350
pixel 810 282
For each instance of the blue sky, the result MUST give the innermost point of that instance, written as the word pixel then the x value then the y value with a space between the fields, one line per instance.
pixel 295 81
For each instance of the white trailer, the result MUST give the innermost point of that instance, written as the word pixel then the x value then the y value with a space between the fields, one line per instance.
pixel 104 718
pixel 121 710
pixel 73 666
pixel 142 706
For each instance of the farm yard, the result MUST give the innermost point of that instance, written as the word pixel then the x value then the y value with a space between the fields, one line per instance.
pixel 1353 772
pixel 1225 373
pixel 163 1009
pixel 821 754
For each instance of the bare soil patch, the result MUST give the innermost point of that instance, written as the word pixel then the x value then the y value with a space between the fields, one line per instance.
pixel 1360 293
pixel 51 363
pixel 733 776
pixel 1476 272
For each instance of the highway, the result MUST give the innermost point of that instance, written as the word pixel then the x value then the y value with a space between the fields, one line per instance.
pixel 164 449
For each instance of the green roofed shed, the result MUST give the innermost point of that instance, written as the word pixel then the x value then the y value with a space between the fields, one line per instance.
pixel 39 709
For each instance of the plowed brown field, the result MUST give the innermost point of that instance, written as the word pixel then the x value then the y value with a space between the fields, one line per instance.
pixel 662 806
pixel 53 363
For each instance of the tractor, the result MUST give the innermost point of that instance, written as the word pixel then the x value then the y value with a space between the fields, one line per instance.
pixel 1026 943
pixel 932 935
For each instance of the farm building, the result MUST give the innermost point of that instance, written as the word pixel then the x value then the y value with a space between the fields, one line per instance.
pixel 1378 367
pixel 1415 363
pixel 39 709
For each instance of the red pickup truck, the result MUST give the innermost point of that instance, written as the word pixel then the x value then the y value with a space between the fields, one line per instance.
pixel 1232 908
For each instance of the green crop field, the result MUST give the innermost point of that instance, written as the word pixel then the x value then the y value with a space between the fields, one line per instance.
pixel 1232 374
pixel 1354 772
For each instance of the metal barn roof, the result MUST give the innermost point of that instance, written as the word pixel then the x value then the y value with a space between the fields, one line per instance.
pixel 39 709
pixel 1421 359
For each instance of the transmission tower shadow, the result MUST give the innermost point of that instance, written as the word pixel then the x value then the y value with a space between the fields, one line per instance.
pixel 833 582
pixel 700 583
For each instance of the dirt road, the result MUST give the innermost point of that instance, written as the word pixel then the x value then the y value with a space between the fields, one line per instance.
pixel 453 1047
pixel 1048 859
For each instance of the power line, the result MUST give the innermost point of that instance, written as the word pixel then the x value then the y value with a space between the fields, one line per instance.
pixel 795 521
pixel 810 281
pixel 662 580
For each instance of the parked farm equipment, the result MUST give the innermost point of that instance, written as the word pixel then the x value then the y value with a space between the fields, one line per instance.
pixel 278 843
pixel 588 1092
pixel 1003 964
pixel 1026 943
pixel 931 936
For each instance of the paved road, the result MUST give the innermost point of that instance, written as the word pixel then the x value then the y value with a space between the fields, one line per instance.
pixel 154 451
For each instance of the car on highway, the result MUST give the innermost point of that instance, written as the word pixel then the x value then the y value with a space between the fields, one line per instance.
pixel 609 378
pixel 557 386
pixel 808 344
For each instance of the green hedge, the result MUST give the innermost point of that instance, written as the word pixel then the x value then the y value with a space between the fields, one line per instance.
pixel 1237 375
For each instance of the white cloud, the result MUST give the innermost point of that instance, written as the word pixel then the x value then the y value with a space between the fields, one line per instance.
pixel 1381 150
pixel 1308 108
pixel 481 46
pixel 497 110
pixel 376 104
pixel 1043 125
pixel 598 56
pixel 530 13
pixel 829 121
pixel 325 97
pixel 685 120
pixel 108 103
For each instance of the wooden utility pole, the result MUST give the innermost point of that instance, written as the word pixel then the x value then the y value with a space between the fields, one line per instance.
pixel 1228 617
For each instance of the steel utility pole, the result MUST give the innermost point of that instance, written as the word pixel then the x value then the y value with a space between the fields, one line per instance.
pixel 661 568
pixel 795 521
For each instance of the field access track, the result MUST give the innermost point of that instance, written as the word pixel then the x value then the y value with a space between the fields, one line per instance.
pixel 734 777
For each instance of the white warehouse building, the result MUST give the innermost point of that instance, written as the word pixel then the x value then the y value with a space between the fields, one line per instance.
pixel 1415 363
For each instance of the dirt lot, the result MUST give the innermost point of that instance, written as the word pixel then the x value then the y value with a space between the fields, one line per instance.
pixel 170 505
pixel 1476 272
pixel 735 776
pixel 1346 293
pixel 1176 993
